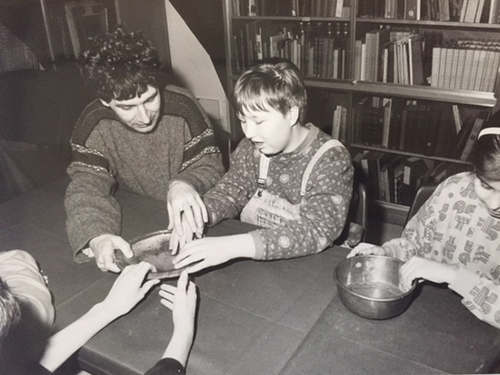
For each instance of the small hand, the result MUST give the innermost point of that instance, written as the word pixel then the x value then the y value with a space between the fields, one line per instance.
pixel 182 301
pixel 103 248
pixel 366 249
pixel 212 251
pixel 128 289
pixel 421 268
pixel 183 199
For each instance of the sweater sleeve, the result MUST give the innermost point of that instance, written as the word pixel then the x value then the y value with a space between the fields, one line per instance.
pixel 166 366
pixel 227 199
pixel 204 170
pixel 411 241
pixel 480 295
pixel 323 212
pixel 202 160
pixel 91 208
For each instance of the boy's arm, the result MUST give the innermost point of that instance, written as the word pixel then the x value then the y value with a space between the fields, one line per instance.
pixel 322 213
pixel 228 197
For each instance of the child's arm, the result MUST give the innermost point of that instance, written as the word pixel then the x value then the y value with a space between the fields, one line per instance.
pixel 228 197
pixel 125 293
pixel 182 301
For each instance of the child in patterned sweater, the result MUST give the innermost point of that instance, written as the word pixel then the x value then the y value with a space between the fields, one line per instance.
pixel 454 237
pixel 289 178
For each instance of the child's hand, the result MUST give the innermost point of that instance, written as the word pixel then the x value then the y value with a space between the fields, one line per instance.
pixel 366 249
pixel 128 289
pixel 179 239
pixel 182 301
pixel 421 268
pixel 212 251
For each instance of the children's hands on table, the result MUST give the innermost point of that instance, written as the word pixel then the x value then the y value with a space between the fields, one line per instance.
pixel 182 301
pixel 212 251
pixel 128 289
pixel 421 268
pixel 185 209
pixel 366 249
pixel 103 249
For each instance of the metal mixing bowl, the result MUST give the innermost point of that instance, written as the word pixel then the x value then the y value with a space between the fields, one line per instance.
pixel 368 285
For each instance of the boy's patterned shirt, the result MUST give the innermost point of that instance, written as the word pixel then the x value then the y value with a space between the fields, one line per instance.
pixel 323 210
pixel 454 227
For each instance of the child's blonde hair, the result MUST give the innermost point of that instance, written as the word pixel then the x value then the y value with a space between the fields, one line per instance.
pixel 270 85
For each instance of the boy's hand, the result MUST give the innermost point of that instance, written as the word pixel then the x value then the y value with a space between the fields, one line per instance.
pixel 366 249
pixel 183 199
pixel 103 247
pixel 178 240
pixel 212 251
pixel 182 301
pixel 421 268
pixel 128 289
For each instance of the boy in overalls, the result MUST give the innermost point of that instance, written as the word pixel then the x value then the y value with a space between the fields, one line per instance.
pixel 290 178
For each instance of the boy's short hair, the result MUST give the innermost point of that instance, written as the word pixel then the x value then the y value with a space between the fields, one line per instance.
pixel 10 311
pixel 270 85
pixel 120 65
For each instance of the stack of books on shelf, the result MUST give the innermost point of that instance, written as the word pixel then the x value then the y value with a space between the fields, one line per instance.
pixel 300 8
pixel 420 127
pixel 467 64
pixel 339 122
pixel 319 51
pixel 470 11
pixel 390 57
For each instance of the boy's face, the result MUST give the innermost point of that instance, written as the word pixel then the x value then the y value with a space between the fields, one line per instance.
pixel 489 193
pixel 140 113
pixel 270 131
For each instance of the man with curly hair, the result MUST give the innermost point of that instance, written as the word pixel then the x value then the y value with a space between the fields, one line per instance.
pixel 154 139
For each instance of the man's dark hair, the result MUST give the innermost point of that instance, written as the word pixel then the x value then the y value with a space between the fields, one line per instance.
pixel 120 65
pixel 486 155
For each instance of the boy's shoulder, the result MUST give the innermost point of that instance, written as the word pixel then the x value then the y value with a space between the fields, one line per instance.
pixel 337 150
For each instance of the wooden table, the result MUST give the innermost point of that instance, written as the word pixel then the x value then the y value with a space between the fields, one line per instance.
pixel 279 317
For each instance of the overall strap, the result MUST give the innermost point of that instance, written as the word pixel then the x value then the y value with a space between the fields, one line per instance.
pixel 324 148
pixel 263 168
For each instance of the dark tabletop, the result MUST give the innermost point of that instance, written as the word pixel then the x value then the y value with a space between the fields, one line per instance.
pixel 279 317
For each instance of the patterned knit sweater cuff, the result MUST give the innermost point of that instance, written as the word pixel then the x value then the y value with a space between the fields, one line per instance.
pixel 260 246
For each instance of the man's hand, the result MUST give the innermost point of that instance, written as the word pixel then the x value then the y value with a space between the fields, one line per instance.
pixel 103 247
pixel 128 289
pixel 421 268
pixel 186 212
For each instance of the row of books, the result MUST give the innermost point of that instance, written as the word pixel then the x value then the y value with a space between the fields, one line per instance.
pixel 410 58
pixel 472 11
pixel 319 52
pixel 421 127
pixel 395 57
pixel 465 68
pixel 300 8
pixel 396 179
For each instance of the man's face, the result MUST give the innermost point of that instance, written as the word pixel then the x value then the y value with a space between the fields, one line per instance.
pixel 140 113
pixel 489 193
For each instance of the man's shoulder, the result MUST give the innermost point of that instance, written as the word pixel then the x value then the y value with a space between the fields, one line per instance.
pixel 90 117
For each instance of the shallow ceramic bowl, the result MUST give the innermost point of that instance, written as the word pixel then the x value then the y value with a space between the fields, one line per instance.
pixel 368 285
pixel 151 248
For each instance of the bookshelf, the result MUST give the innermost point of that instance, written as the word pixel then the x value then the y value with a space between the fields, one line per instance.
pixel 409 62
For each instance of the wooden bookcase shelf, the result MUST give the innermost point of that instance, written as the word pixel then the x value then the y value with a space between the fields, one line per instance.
pixel 348 91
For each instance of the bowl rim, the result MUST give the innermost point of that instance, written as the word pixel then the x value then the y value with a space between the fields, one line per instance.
pixel 373 299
